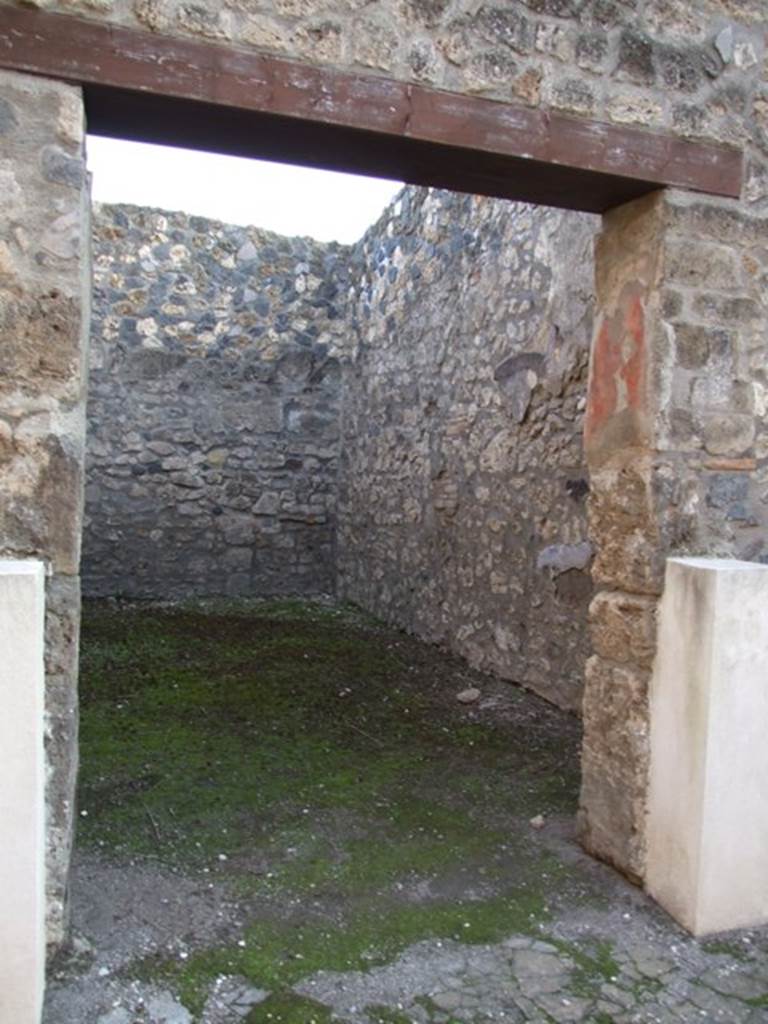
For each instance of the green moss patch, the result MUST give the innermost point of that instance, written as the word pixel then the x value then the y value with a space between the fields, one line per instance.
pixel 289 1008
pixel 320 766
pixel 594 965
pixel 206 734
pixel 385 1015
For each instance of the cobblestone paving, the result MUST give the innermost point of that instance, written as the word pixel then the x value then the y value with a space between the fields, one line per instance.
pixel 628 964
pixel 523 979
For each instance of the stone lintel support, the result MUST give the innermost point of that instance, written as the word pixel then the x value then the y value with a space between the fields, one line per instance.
pixel 22 792
pixel 707 824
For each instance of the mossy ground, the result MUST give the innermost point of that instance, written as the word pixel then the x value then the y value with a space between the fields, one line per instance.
pixel 320 765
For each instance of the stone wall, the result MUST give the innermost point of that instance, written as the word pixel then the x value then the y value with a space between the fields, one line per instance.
pixel 463 497
pixel 696 68
pixel 214 421
pixel 213 408
pixel 43 343
pixel 677 447
pixel 689 66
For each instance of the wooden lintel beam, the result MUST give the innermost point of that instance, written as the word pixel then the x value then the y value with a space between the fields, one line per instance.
pixel 497 148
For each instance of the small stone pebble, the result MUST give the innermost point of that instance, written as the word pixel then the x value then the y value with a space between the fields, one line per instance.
pixel 468 696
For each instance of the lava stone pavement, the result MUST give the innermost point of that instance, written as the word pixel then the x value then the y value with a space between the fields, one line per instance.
pixel 626 963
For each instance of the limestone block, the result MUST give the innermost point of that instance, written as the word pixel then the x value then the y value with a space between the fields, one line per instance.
pixel 41 498
pixel 612 804
pixel 41 350
pixel 623 516
pixel 623 627
pixel 707 828
pixel 22 789
pixel 615 764
pixel 42 320
pixel 62 624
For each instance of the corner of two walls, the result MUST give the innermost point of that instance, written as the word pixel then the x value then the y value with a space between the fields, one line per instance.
pixel 459 327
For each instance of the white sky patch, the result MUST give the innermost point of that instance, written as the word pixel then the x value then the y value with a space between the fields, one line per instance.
pixel 284 198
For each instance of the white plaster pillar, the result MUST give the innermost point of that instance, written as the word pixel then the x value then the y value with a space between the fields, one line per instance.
pixel 707 827
pixel 22 792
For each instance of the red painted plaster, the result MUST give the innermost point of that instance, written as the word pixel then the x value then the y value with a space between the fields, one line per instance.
pixel 617 378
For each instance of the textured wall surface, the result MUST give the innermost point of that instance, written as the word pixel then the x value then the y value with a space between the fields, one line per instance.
pixel 213 408
pixel 677 455
pixel 214 421
pixel 687 65
pixel 43 341
pixel 677 447
pixel 463 501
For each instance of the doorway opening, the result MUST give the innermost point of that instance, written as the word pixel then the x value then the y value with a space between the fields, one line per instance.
pixel 242 102
pixel 395 424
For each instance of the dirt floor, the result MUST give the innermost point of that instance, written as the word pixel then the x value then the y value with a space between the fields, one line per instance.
pixel 286 815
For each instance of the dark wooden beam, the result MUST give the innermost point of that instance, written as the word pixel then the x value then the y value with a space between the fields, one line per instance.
pixel 203 126
pixel 209 96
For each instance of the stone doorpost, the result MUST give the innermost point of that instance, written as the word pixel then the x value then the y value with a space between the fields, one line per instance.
pixel 44 288
pixel 673 436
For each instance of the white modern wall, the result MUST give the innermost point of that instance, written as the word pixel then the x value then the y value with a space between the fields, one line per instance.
pixel 708 806
pixel 22 792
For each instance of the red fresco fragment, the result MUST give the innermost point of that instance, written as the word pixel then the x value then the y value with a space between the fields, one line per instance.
pixel 617 380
